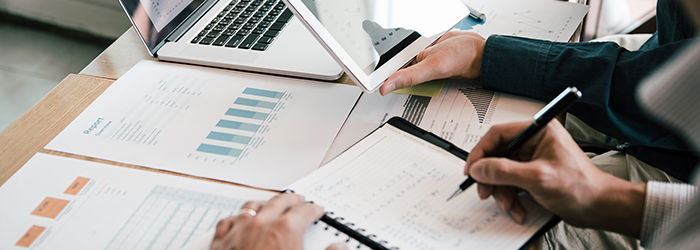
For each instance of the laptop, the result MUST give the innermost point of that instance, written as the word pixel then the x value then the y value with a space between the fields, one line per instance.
pixel 252 35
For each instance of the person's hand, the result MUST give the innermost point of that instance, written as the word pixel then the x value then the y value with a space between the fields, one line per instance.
pixel 280 223
pixel 455 54
pixel 559 176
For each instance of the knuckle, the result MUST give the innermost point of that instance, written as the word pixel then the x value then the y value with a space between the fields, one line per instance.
pixel 495 128
pixel 543 176
pixel 285 224
pixel 256 223
pixel 299 198
pixel 249 204
pixel 222 223
pixel 497 168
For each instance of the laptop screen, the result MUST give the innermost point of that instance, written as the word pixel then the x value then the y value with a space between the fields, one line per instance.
pixel 154 20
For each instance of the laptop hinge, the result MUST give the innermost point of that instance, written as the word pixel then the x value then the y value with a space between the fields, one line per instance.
pixel 190 21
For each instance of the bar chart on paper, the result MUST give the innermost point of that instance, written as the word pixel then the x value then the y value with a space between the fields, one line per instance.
pixel 461 113
pixel 243 126
pixel 211 123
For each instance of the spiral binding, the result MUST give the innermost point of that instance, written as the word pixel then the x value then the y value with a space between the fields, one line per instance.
pixel 357 234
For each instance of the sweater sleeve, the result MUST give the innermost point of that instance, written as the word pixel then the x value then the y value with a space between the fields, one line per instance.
pixel 606 73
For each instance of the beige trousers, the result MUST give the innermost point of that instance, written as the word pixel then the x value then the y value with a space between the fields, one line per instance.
pixel 565 236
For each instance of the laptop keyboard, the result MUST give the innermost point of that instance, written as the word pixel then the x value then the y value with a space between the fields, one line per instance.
pixel 246 24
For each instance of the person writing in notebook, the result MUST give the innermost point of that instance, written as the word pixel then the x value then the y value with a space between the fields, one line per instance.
pixel 560 177
pixel 606 73
pixel 551 168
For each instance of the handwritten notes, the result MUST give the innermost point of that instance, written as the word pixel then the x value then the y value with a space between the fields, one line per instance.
pixel 394 185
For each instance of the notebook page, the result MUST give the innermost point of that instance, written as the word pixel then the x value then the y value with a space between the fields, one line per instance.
pixel 394 185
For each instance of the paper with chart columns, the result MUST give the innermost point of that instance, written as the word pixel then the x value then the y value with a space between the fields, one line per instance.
pixel 54 202
pixel 462 113
pixel 257 130
pixel 539 19
pixel 395 185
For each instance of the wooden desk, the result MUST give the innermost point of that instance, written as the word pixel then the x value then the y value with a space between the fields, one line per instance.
pixel 38 126
pixel 119 57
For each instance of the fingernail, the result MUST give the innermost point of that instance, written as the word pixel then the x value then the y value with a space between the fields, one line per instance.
pixel 518 215
pixel 390 87
pixel 477 171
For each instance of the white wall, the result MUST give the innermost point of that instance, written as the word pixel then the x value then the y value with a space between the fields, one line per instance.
pixel 103 18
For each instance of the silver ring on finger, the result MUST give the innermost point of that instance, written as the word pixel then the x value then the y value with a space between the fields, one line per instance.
pixel 248 211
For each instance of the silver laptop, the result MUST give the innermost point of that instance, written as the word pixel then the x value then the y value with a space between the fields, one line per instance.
pixel 253 35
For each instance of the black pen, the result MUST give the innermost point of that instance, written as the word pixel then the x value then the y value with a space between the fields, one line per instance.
pixel 559 105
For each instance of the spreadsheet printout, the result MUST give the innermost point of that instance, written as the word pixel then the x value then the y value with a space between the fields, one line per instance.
pixel 64 203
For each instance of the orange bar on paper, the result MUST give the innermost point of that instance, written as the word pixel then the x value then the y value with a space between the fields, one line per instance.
pixel 29 237
pixel 50 207
pixel 76 186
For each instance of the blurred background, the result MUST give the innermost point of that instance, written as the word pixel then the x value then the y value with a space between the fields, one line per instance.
pixel 42 41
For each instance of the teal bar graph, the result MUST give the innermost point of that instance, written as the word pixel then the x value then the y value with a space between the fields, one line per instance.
pixel 255 103
pixel 247 114
pixel 219 150
pixel 229 137
pixel 263 93
pixel 238 125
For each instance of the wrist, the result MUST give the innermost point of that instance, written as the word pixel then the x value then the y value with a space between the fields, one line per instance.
pixel 619 206
pixel 476 62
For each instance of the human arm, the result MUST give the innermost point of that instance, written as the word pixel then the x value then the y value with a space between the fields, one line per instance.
pixel 608 75
pixel 280 223
pixel 559 176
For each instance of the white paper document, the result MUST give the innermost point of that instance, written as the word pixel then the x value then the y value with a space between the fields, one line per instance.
pixel 539 19
pixel 252 129
pixel 55 202
pixel 394 186
pixel 462 113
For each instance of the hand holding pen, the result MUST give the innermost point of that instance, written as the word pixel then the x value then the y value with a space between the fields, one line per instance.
pixel 560 104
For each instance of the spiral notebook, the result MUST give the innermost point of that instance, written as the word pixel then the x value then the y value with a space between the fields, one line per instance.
pixel 389 191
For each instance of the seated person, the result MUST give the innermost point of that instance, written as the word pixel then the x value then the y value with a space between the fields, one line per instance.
pixel 551 168
pixel 606 73
pixel 608 76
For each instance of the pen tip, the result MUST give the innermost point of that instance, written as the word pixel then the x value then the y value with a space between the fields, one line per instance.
pixel 454 193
